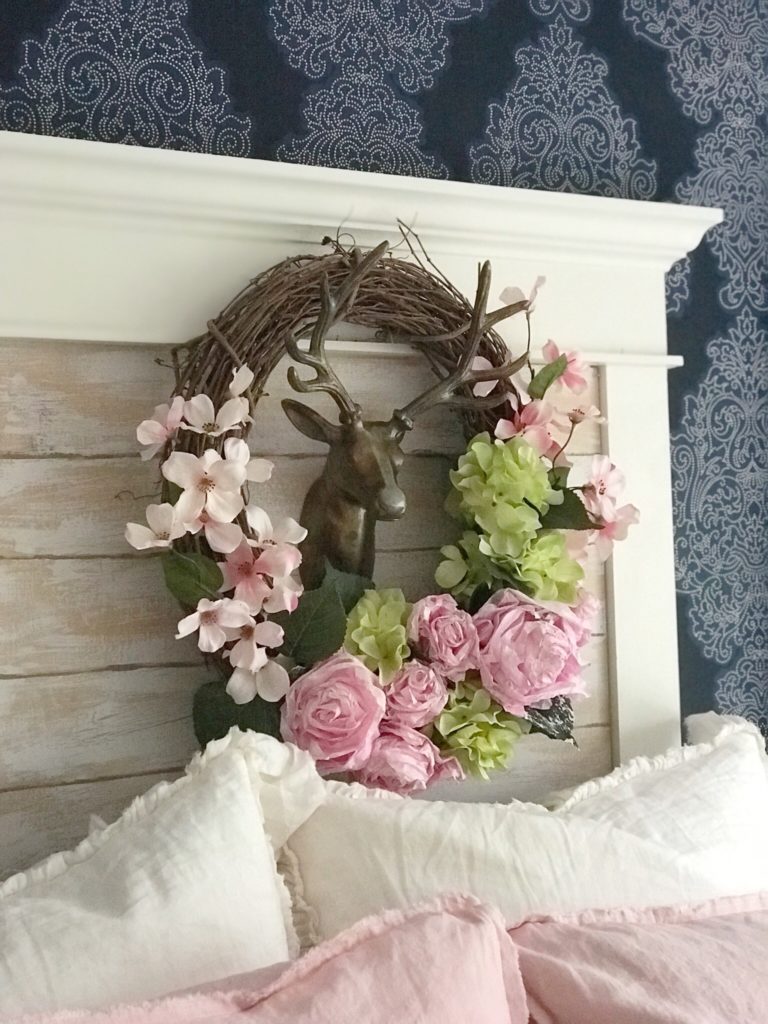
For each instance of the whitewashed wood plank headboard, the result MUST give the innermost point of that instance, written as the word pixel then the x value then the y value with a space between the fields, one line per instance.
pixel 110 255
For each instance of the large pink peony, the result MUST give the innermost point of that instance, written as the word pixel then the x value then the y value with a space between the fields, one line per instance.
pixel 333 712
pixel 416 695
pixel 403 760
pixel 444 635
pixel 529 651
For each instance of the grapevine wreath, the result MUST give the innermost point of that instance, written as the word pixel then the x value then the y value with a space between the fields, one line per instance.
pixel 302 644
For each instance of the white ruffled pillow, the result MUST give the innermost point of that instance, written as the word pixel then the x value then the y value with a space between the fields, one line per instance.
pixel 181 890
pixel 658 831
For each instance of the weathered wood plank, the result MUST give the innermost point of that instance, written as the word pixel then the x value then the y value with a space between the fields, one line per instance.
pixel 62 615
pixel 93 725
pixel 35 823
pixel 540 767
pixel 86 399
pixel 79 507
pixel 75 728
pixel 79 615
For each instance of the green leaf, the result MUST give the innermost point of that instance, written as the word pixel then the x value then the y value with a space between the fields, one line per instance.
pixel 547 376
pixel 214 713
pixel 555 721
pixel 569 515
pixel 558 476
pixel 348 585
pixel 191 576
pixel 316 629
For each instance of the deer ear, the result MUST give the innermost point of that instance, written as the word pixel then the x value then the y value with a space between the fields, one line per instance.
pixel 310 423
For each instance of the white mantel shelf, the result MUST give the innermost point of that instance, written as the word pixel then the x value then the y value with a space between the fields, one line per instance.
pixel 116 234
pixel 113 244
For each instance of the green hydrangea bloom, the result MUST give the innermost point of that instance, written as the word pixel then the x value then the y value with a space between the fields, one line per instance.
pixel 376 631
pixel 477 730
pixel 546 570
pixel 465 568
pixel 504 487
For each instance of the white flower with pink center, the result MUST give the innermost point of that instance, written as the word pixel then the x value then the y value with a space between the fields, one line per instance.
pixel 163 529
pixel 241 381
pixel 155 433
pixel 277 544
pixel 252 639
pixel 514 294
pixel 271 683
pixel 208 482
pixel 212 619
pixel 201 417
pixel 574 376
pixel 256 470
pixel 220 537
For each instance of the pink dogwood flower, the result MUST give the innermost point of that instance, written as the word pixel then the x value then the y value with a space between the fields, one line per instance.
pixel 243 574
pixel 271 683
pixel 209 482
pixel 211 620
pixel 250 574
pixel 605 485
pixel 154 433
pixel 201 417
pixel 536 422
pixel 573 378
pixel 614 528
pixel 163 528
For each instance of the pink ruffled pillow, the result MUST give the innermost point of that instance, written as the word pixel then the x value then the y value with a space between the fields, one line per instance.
pixel 445 962
pixel 706 964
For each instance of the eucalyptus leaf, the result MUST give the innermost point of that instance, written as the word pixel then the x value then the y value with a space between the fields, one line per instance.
pixel 570 514
pixel 555 721
pixel 191 576
pixel 214 713
pixel 547 376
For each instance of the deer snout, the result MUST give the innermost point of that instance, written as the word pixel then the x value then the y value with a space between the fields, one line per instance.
pixel 390 503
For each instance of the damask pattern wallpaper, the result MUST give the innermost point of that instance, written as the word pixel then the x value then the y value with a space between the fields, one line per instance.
pixel 645 99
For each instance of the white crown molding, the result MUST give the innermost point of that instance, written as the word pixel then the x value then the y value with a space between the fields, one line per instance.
pixel 81 218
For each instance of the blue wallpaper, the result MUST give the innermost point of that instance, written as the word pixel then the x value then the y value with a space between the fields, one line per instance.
pixel 646 99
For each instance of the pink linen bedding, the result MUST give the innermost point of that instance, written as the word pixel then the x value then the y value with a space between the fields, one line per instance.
pixel 451 962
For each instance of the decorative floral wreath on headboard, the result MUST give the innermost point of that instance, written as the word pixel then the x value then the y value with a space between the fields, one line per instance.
pixel 397 695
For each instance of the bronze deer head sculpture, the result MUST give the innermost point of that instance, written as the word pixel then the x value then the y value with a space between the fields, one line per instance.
pixel 359 483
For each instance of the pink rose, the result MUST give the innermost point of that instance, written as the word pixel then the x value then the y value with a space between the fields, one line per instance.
pixel 416 695
pixel 333 712
pixel 403 760
pixel 444 634
pixel 529 651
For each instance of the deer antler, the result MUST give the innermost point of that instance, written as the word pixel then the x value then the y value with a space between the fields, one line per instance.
pixel 444 391
pixel 333 306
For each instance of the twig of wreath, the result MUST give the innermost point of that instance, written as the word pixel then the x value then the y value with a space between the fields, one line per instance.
pixel 349 645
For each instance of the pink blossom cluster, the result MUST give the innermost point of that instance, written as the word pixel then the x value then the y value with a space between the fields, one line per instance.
pixel 258 566
pixel 526 653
